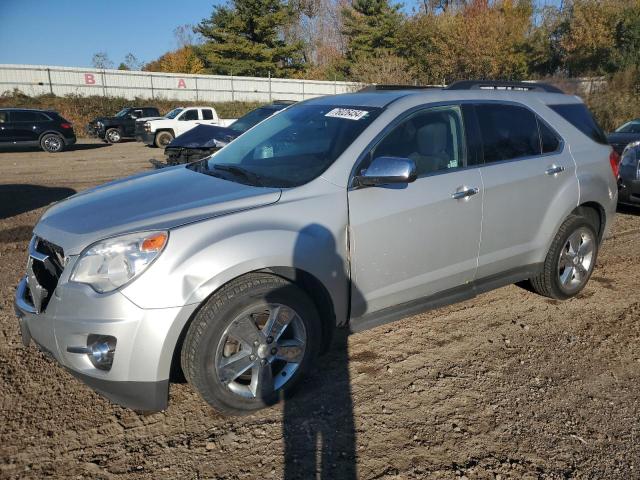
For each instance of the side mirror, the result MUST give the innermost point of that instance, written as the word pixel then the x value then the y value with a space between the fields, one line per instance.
pixel 388 170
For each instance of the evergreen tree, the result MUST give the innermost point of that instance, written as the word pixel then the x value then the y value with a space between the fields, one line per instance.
pixel 371 27
pixel 245 37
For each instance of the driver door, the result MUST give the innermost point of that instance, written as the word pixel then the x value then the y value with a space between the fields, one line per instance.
pixel 414 240
pixel 186 121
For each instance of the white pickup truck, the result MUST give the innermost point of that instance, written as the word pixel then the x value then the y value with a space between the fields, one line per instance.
pixel 160 131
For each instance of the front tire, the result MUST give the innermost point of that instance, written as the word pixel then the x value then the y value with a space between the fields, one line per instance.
pixel 250 343
pixel 163 139
pixel 570 260
pixel 113 135
pixel 52 143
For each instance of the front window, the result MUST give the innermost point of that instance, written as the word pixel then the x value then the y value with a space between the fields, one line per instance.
pixel 122 112
pixel 173 113
pixel 291 148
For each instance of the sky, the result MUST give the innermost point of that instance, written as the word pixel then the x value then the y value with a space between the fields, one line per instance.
pixel 69 32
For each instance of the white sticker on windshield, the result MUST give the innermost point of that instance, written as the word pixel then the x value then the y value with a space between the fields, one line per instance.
pixel 348 113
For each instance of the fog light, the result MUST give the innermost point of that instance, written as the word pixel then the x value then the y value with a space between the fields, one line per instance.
pixel 101 350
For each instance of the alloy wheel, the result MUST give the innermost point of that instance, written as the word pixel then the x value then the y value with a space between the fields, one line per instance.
pixel 260 350
pixel 576 260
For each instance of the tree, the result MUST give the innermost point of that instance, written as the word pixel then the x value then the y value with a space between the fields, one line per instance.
pixel 371 28
pixel 182 60
pixel 246 37
pixel 131 62
pixel 101 60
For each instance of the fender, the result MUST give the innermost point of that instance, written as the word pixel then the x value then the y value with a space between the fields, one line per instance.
pixel 189 275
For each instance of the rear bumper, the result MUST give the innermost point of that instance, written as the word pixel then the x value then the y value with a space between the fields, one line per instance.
pixel 629 192
pixel 146 339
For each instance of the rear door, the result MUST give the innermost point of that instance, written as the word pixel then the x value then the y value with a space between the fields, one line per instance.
pixel 529 181
pixel 209 116
pixel 412 241
pixel 28 125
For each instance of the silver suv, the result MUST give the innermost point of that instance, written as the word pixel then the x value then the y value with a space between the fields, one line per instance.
pixel 349 210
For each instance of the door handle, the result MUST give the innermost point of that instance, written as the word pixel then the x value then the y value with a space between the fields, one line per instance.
pixel 466 193
pixel 554 170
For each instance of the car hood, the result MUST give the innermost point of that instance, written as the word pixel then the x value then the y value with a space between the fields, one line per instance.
pixel 204 136
pixel 161 199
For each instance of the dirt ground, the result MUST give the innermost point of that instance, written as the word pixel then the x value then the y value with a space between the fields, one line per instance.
pixel 507 385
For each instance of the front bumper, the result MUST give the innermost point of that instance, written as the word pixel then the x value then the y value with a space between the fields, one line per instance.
pixel 147 138
pixel 146 339
pixel 182 155
pixel 93 130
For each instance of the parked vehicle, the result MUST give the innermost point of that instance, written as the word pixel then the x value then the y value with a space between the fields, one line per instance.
pixel 348 210
pixel 45 129
pixel 160 132
pixel 121 125
pixel 629 181
pixel 624 135
pixel 204 140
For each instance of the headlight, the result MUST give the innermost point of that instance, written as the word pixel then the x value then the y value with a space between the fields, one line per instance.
pixel 109 264
pixel 99 124
pixel 147 126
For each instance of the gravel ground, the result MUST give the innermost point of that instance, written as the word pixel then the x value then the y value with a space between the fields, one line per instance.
pixel 507 385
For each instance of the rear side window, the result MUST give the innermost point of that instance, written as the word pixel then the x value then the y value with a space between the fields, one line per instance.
pixel 548 139
pixel 4 116
pixel 150 112
pixel 24 116
pixel 580 117
pixel 207 114
pixel 508 132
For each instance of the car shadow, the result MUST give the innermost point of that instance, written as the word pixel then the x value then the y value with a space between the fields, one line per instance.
pixel 628 210
pixel 318 425
pixel 21 198
pixel 87 146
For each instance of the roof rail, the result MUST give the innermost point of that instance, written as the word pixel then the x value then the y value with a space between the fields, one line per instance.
pixel 503 85
pixel 375 87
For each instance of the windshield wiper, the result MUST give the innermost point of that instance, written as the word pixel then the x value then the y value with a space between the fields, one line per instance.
pixel 243 172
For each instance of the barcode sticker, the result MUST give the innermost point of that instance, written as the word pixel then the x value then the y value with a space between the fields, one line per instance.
pixel 348 113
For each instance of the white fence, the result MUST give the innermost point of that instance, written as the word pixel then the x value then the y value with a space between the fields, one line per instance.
pixel 42 79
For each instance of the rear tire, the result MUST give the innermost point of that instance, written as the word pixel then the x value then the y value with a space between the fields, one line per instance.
pixel 163 139
pixel 250 343
pixel 52 143
pixel 570 260
pixel 113 135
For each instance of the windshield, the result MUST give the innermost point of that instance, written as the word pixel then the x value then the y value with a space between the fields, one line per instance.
pixel 122 112
pixel 173 113
pixel 251 119
pixel 291 148
pixel 630 127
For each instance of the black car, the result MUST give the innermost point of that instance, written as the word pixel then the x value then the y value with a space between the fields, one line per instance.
pixel 203 140
pixel 38 128
pixel 121 125
pixel 624 135
pixel 629 175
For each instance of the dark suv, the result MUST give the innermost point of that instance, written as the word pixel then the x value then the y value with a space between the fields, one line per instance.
pixel 43 128
pixel 121 125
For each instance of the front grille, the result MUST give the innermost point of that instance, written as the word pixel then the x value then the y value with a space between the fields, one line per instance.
pixel 46 263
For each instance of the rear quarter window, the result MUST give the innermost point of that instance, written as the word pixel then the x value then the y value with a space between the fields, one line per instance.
pixel 578 115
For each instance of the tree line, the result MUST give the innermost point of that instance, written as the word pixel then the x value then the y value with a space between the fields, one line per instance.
pixel 429 42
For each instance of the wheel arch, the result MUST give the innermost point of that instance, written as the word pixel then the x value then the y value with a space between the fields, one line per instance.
pixel 308 282
pixel 597 213
pixel 55 132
